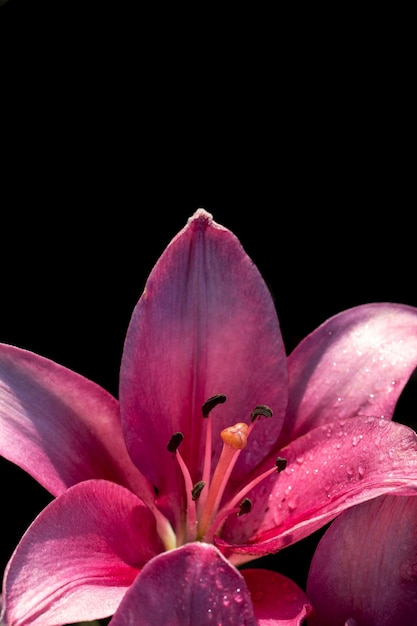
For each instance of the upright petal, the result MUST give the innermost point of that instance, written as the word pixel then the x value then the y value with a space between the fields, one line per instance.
pixel 79 556
pixel 365 566
pixel 60 427
pixel 356 363
pixel 193 584
pixel 205 324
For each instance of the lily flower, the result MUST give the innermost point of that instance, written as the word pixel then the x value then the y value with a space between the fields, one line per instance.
pixel 219 450
pixel 364 569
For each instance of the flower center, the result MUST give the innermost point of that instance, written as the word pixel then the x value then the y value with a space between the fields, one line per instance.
pixel 207 509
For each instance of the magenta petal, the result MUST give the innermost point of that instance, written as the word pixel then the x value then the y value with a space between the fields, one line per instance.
pixel 277 600
pixel 365 566
pixel 356 363
pixel 58 426
pixel 193 584
pixel 328 470
pixel 205 324
pixel 79 556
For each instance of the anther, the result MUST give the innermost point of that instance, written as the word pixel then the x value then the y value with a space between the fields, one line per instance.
pixel 280 464
pixel 260 411
pixel 245 507
pixel 209 404
pixel 174 442
pixel 197 489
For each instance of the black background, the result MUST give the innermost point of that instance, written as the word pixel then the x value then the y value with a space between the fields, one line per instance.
pixel 117 122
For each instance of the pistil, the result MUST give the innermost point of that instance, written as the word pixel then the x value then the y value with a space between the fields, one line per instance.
pixel 234 440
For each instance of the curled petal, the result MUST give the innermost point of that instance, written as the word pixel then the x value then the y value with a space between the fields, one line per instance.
pixel 193 584
pixel 356 363
pixel 206 324
pixel 277 601
pixel 328 470
pixel 365 566
pixel 60 427
pixel 79 556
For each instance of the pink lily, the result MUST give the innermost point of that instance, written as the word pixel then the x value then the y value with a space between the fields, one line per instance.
pixel 364 569
pixel 147 490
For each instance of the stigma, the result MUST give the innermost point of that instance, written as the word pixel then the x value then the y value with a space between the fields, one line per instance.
pixel 207 508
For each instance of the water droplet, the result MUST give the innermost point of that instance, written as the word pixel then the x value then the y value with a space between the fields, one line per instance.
pixel 226 600
pixel 361 471
pixel 292 504
pixel 237 596
pixel 300 459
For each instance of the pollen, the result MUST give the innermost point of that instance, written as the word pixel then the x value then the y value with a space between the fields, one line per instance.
pixel 236 436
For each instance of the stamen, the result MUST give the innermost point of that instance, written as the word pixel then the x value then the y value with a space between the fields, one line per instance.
pixel 280 464
pixel 197 489
pixel 260 410
pixel 207 407
pixel 191 514
pixel 209 404
pixel 245 507
pixel 174 442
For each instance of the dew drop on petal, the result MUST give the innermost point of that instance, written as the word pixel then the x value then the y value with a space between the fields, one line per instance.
pixel 237 596
pixel 292 504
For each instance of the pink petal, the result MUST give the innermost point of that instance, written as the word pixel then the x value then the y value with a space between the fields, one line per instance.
pixel 356 363
pixel 328 470
pixel 365 566
pixel 277 601
pixel 206 324
pixel 58 426
pixel 193 584
pixel 79 556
